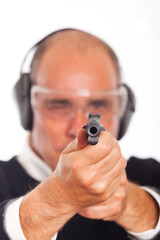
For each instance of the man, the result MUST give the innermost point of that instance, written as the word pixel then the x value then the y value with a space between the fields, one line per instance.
pixel 84 192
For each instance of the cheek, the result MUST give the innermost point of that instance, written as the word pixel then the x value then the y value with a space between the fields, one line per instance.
pixel 51 131
pixel 48 139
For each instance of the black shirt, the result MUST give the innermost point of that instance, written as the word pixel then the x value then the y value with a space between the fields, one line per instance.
pixel 15 182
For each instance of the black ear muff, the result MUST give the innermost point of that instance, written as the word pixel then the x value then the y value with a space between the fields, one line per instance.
pixel 130 109
pixel 22 91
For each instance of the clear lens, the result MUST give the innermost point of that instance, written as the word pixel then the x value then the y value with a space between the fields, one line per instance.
pixel 63 104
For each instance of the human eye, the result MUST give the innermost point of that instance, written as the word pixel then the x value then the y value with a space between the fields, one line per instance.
pixel 57 104
pixel 100 104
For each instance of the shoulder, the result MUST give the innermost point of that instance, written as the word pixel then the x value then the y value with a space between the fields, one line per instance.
pixel 14 180
pixel 13 171
pixel 5 165
pixel 9 166
pixel 10 171
pixel 144 171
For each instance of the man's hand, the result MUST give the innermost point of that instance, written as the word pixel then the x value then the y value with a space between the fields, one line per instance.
pixel 85 176
pixel 112 208
pixel 91 174
pixel 101 184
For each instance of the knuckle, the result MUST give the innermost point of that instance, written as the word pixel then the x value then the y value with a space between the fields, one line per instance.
pixel 88 179
pixel 116 210
pixel 120 197
pixel 123 197
pixel 123 162
pixel 109 135
pixel 117 152
pixel 102 187
pixel 124 181
pixel 106 141
pixel 120 200
pixel 75 166
pixel 99 187
pixel 92 213
pixel 105 147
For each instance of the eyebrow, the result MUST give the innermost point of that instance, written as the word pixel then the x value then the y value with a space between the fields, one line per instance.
pixel 102 100
pixel 61 101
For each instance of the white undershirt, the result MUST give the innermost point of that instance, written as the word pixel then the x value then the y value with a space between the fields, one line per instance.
pixel 39 170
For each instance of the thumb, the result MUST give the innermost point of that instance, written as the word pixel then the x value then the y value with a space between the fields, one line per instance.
pixel 78 143
pixel 82 137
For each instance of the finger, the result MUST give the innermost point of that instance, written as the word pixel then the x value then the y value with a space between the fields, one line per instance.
pixel 110 178
pixel 93 154
pixel 78 143
pixel 107 210
pixel 107 163
pixel 108 183
pixel 81 139
pixel 90 154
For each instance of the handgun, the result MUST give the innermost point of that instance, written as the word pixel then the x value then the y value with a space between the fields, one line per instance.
pixel 93 128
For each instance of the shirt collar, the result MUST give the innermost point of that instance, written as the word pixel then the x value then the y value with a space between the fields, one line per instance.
pixel 32 164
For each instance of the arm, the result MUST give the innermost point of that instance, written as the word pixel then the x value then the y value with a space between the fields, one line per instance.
pixel 3 234
pixel 141 211
pixel 155 232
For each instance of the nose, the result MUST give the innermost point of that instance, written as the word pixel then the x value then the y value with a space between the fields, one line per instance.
pixel 76 123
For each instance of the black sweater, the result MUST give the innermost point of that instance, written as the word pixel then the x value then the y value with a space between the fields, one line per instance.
pixel 15 182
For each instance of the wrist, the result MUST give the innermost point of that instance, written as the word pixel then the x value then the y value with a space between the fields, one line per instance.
pixel 137 201
pixel 44 206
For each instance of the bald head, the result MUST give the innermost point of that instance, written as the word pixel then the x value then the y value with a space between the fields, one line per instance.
pixel 73 41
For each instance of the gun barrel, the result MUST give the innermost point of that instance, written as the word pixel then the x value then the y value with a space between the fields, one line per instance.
pixel 93 128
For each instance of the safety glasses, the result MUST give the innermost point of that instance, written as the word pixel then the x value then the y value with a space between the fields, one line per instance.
pixel 60 104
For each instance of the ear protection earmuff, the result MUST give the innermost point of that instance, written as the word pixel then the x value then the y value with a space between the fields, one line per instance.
pixel 22 91
pixel 130 109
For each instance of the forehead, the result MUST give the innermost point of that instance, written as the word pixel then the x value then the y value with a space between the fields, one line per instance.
pixel 68 66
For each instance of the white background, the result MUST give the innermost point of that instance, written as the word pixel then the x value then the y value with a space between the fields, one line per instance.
pixel 131 27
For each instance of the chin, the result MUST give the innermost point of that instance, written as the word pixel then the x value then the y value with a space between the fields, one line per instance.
pixel 61 148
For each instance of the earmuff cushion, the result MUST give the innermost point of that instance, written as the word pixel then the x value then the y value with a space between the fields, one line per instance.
pixel 22 91
pixel 130 109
